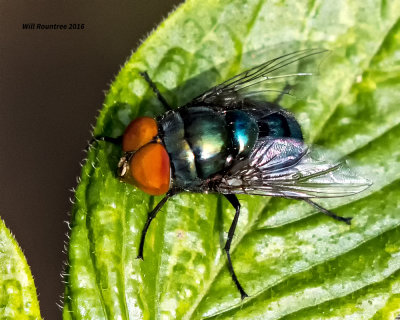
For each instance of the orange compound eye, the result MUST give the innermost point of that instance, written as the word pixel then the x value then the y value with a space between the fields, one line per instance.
pixel 139 132
pixel 150 169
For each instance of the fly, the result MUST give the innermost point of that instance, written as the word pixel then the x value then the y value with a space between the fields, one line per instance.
pixel 230 142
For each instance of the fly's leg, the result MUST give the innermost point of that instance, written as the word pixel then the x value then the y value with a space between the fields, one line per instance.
pixel 118 140
pixel 236 204
pixel 327 212
pixel 155 90
pixel 285 90
pixel 150 217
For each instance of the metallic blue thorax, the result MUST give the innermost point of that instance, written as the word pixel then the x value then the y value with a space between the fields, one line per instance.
pixel 203 141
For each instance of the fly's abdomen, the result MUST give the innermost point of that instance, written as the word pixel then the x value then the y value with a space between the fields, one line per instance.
pixel 202 141
pixel 273 121
pixel 279 125
pixel 243 130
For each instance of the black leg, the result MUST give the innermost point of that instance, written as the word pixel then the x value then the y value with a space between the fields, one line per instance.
pixel 156 91
pixel 285 90
pixel 150 217
pixel 327 212
pixel 236 204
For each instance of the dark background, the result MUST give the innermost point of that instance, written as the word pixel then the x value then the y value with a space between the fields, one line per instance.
pixel 52 83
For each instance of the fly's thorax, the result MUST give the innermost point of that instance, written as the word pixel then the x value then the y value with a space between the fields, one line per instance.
pixel 182 158
pixel 207 134
pixel 203 142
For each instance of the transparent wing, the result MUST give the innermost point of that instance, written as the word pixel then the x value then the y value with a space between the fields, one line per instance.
pixel 288 168
pixel 276 76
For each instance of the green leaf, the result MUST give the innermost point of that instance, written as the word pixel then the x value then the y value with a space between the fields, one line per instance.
pixel 18 298
pixel 294 262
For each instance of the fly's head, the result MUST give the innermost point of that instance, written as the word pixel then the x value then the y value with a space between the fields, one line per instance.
pixel 145 162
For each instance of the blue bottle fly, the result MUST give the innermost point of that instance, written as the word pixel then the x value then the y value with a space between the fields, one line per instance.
pixel 230 141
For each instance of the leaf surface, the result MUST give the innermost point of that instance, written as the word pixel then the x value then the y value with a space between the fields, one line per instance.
pixel 295 263
pixel 18 299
